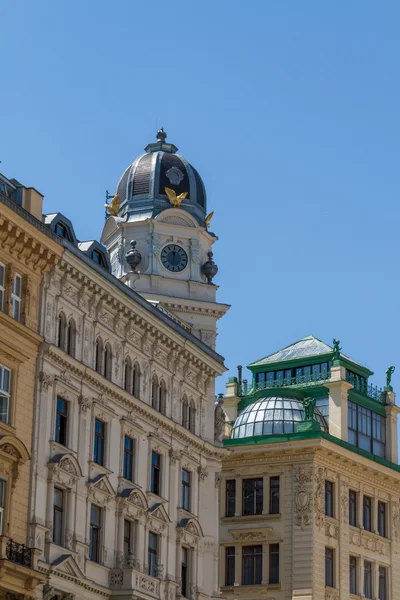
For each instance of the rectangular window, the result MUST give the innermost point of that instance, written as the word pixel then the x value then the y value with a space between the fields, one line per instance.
pixel 2 285
pixel 367 579
pixel 274 491
pixel 185 573
pixel 152 554
pixel 273 563
pixel 252 496
pixel 329 499
pixel 99 441
pixel 383 592
pixel 3 484
pixel 353 574
pixel 382 518
pixel 229 566
pixel 61 421
pixel 353 508
pixel 329 573
pixel 5 383
pixel 128 457
pixel 230 498
pixel 58 513
pixel 367 513
pixel 367 429
pixel 252 565
pixel 128 537
pixel 185 489
pixel 95 533
pixel 16 297
pixel 155 479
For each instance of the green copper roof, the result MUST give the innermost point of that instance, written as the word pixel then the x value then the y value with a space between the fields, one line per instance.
pixel 307 346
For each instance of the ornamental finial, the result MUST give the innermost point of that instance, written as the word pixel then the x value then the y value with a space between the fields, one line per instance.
pixel 161 135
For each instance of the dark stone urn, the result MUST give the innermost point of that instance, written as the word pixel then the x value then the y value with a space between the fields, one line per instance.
pixel 209 269
pixel 133 256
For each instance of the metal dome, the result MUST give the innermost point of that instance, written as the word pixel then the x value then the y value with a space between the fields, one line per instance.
pixel 142 186
pixel 272 416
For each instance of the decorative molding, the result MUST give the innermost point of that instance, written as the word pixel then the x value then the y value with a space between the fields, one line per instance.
pixel 369 542
pixel 302 497
pixel 319 497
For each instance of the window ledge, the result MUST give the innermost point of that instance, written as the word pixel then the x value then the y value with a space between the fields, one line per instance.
pixel 152 496
pixel 187 513
pixel 246 518
pixel 94 465
pixel 57 447
pixel 5 428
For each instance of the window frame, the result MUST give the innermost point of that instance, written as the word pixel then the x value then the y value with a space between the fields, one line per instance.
pixel 186 490
pixel 61 418
pixel 230 500
pixel 16 300
pixel 3 504
pixel 255 560
pixel 129 539
pixel 230 562
pixel 353 579
pixel 2 286
pixel 95 556
pixel 153 553
pixel 329 567
pixel 383 594
pixel 96 443
pixel 5 394
pixel 70 338
pixel 353 508
pixel 329 498
pixel 274 500
pixel 185 572
pixel 368 581
pixel 256 493
pixel 59 511
pixel 155 474
pixel 367 506
pixel 274 569
pixel 382 520
pixel 129 452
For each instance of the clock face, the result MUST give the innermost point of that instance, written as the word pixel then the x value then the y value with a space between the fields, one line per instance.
pixel 174 258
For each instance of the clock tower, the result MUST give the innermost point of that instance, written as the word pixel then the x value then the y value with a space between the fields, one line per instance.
pixel 159 240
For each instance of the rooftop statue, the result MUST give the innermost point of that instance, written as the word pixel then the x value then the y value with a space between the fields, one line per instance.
pixel 219 422
pixel 389 373
pixel 336 349
pixel 113 209
pixel 175 200
pixel 309 407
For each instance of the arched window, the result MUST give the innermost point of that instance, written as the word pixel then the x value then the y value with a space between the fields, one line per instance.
pixel 107 362
pixel 99 358
pixel 162 396
pixel 185 411
pixel 192 417
pixel 154 393
pixel 136 380
pixel 71 338
pixel 128 375
pixel 62 326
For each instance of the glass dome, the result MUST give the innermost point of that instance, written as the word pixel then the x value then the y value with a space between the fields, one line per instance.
pixel 273 415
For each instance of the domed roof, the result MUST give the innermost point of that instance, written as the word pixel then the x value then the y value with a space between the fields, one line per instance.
pixel 142 187
pixel 273 415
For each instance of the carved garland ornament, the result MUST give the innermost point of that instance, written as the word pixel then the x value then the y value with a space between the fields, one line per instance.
pixel 319 497
pixel 302 498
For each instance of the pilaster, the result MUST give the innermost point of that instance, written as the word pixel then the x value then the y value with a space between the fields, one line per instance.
pixel 338 414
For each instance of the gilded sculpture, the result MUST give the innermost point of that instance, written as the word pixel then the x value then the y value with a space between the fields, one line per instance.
pixel 113 208
pixel 208 219
pixel 175 200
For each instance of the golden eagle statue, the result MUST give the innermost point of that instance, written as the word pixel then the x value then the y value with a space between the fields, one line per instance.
pixel 208 219
pixel 175 200
pixel 113 209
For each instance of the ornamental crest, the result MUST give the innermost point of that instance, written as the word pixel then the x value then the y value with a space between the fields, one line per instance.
pixel 302 498
pixel 174 175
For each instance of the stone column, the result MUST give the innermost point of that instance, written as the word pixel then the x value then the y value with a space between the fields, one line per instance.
pixel 238 564
pixel 265 510
pixel 392 411
pixel 360 521
pixel 120 558
pixel 361 578
pixel 265 561
pixel 49 510
pixel 140 536
pixel 338 389
pixel 69 531
pixel 375 580
pixel 239 496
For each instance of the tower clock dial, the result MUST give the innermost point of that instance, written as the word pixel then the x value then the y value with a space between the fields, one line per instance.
pixel 174 258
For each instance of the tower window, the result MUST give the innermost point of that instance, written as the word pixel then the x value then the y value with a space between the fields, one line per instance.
pixel 274 493
pixel 99 441
pixel 5 381
pixel 155 480
pixel 61 421
pixel 230 566
pixel 329 567
pixel 353 508
pixel 273 563
pixel 329 499
pixel 252 565
pixel 252 496
pixel 16 297
pixel 58 513
pixel 230 497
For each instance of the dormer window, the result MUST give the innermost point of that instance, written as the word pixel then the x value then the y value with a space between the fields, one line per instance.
pixel 61 230
pixel 98 258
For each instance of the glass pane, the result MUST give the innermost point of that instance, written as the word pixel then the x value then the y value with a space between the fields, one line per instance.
pixel 3 408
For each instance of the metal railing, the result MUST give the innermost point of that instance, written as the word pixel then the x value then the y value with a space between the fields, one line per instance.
pixel 19 554
pixel 362 387
pixel 299 381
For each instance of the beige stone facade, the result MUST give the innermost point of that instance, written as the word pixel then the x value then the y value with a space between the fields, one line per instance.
pixel 308 515
pixel 27 251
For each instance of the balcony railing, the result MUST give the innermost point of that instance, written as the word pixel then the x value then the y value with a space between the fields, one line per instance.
pixel 300 381
pixel 368 390
pixel 19 554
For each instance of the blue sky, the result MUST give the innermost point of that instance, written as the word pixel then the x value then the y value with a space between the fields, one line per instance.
pixel 290 112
